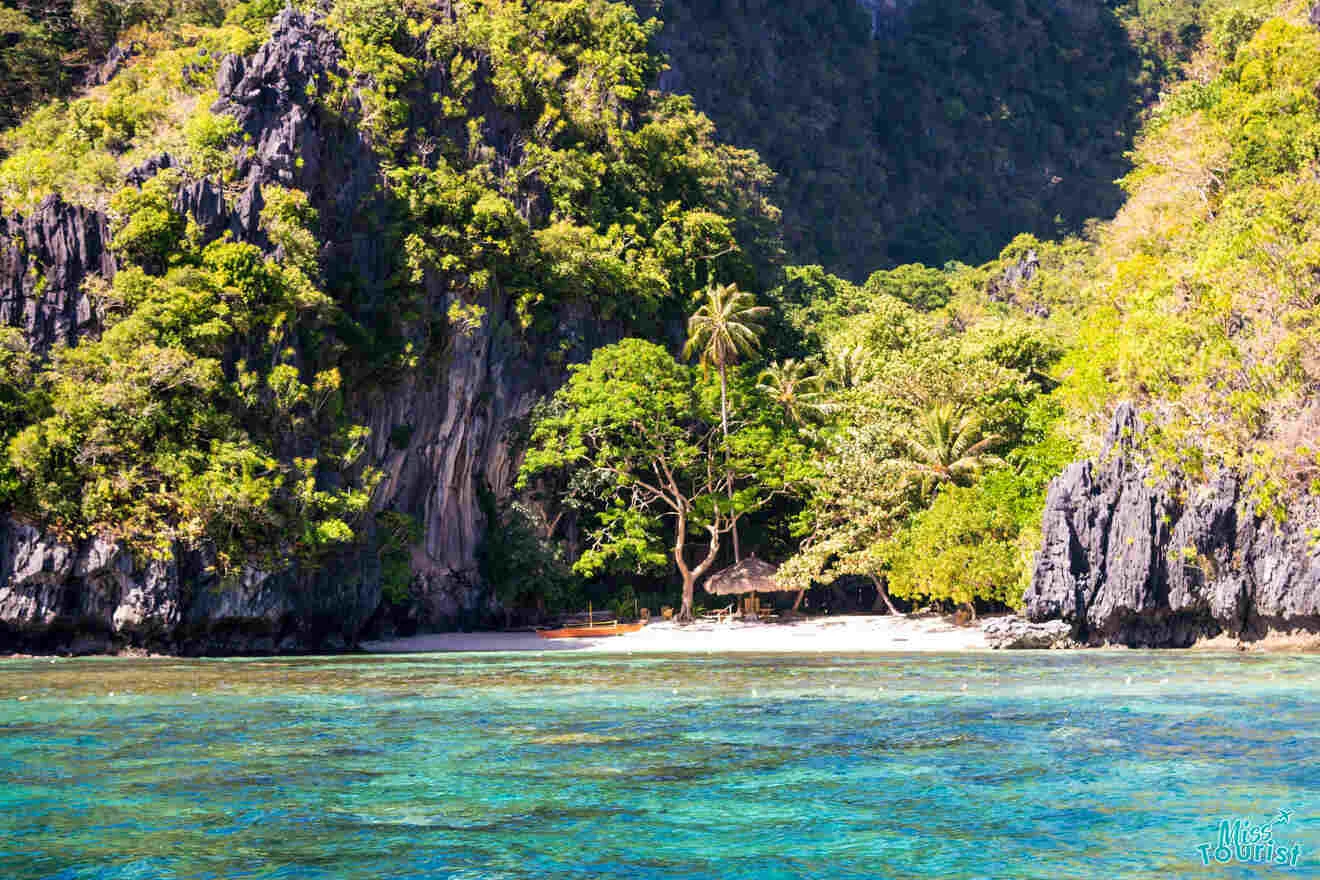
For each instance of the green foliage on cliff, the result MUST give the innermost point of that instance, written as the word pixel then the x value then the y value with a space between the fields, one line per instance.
pixel 902 429
pixel 81 149
pixel 185 421
pixel 47 47
pixel 17 399
pixel 1203 307
pixel 545 173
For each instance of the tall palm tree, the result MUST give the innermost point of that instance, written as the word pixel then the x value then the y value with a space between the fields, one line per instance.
pixel 725 327
pixel 797 390
pixel 948 444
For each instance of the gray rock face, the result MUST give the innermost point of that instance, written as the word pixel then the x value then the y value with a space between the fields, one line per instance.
pixel 44 260
pixel 271 96
pixel 1128 562
pixel 1017 633
pixel 95 597
pixel 1011 286
pixel 119 56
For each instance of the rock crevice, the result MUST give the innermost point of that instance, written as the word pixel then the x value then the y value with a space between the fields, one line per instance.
pixel 45 260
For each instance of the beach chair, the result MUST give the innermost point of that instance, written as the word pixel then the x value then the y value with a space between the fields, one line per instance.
pixel 719 615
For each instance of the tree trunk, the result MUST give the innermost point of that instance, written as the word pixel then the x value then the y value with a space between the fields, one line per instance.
pixel 689 579
pixel 882 595
pixel 728 478
pixel 737 547
pixel 692 575
pixel 689 588
pixel 724 401
pixel 798 601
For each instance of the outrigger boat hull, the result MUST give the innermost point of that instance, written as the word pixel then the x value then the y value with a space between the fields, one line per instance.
pixel 589 632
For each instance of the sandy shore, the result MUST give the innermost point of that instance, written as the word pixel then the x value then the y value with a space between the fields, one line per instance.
pixel 818 635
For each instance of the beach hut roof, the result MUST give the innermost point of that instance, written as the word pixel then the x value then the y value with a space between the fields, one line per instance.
pixel 752 575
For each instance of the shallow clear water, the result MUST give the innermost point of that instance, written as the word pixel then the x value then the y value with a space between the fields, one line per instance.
pixel 501 766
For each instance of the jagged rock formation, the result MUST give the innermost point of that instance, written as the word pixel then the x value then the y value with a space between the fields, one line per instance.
pixel 44 260
pixel 94 597
pixel 438 435
pixel 1016 633
pixel 1128 562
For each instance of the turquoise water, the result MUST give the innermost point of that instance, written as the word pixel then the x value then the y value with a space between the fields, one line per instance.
pixel 502 766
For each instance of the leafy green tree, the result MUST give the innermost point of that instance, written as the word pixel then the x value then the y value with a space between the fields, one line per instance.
pixel 977 542
pixel 146 229
pixel 19 403
pixel 30 64
pixel 963 548
pixel 845 365
pixel 860 496
pixel 646 428
pixel 516 557
pixel 396 534
pixel 805 306
pixel 919 286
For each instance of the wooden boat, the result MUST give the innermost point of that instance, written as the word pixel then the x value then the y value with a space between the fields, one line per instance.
pixel 576 629
pixel 589 631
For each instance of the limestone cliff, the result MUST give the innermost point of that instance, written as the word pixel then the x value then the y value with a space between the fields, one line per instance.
pixel 438 433
pixel 1132 562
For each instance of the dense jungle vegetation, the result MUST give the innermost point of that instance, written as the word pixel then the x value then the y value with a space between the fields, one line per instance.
pixel 929 131
pixel 898 433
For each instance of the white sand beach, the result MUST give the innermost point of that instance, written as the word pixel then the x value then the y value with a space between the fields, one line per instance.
pixel 844 634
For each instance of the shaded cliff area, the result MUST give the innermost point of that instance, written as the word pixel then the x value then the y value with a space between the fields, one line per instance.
pixel 918 130
pixel 1130 561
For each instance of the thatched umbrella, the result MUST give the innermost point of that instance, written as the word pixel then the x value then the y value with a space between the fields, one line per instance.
pixel 752 575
